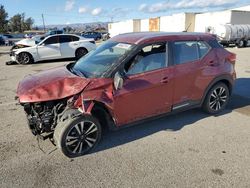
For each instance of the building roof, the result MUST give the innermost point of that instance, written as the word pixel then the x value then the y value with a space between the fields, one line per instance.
pixel 244 8
pixel 149 37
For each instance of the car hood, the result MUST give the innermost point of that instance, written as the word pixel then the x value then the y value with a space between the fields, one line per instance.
pixel 53 84
pixel 26 42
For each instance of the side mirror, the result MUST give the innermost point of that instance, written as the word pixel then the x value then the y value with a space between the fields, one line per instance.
pixel 118 81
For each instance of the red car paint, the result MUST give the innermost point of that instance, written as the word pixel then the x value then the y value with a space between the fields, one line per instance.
pixel 49 85
pixel 143 95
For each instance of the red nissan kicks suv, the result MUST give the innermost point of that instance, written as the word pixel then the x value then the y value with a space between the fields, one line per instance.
pixel 129 78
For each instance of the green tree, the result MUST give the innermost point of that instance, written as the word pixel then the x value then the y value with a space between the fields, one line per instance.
pixel 3 20
pixel 29 23
pixel 15 23
pixel 19 23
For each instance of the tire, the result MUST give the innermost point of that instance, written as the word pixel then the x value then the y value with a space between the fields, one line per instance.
pixel 80 52
pixel 216 99
pixel 24 58
pixel 240 44
pixel 245 43
pixel 77 136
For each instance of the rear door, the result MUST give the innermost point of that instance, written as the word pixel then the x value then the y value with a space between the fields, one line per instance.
pixel 49 49
pixel 68 45
pixel 188 72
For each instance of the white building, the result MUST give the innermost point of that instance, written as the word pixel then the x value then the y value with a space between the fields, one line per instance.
pixel 177 22
pixel 209 21
pixel 124 27
pixel 198 22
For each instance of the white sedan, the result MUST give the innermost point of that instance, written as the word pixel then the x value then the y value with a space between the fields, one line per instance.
pixel 52 47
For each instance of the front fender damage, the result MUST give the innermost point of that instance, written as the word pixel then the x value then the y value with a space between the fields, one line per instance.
pixel 88 99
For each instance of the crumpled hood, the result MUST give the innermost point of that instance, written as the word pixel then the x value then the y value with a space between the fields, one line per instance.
pixel 50 85
pixel 26 42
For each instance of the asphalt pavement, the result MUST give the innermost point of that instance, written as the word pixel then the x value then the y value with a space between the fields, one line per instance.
pixel 189 149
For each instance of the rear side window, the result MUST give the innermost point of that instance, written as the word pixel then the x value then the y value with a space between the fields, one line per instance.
pixel 65 38
pixel 185 51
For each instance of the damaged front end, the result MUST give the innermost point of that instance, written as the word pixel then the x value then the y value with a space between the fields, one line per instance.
pixel 43 116
pixel 45 97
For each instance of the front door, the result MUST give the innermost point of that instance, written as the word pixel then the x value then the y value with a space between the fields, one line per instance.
pixel 49 49
pixel 147 90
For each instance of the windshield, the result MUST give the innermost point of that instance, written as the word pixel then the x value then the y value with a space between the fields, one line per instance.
pixel 97 62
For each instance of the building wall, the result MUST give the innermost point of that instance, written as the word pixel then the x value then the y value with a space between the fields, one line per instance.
pixel 190 22
pixel 145 25
pixel 136 25
pixel 211 20
pixel 121 27
pixel 240 17
pixel 174 23
pixel 154 24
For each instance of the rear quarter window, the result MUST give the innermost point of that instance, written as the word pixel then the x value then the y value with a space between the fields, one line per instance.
pixel 203 48
pixel 75 38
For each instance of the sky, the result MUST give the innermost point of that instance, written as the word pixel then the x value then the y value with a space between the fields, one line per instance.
pixel 86 11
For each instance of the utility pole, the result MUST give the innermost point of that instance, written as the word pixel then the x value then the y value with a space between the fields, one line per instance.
pixel 43 23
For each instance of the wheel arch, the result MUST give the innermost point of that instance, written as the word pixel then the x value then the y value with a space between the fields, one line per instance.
pixel 81 47
pixel 102 113
pixel 226 79
pixel 26 53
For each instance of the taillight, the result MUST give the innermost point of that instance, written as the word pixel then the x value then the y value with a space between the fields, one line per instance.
pixel 231 58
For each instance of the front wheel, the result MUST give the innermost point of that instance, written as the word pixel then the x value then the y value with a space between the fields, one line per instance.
pixel 77 136
pixel 216 99
pixel 24 58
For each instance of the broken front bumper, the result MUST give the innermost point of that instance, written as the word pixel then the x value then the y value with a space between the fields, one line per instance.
pixel 12 56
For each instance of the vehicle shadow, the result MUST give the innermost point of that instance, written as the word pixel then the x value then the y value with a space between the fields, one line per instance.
pixel 54 61
pixel 239 101
pixel 67 60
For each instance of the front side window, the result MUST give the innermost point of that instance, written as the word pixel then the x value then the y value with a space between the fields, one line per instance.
pixel 51 40
pixel 151 57
pixel 185 51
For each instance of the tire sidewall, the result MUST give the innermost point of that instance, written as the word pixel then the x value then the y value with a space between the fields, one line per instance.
pixel 80 49
pixel 63 128
pixel 30 58
pixel 206 106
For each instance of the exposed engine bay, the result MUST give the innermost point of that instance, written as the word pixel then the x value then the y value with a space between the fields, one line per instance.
pixel 43 117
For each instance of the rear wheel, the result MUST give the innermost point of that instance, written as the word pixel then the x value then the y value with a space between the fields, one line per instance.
pixel 80 53
pixel 24 58
pixel 216 99
pixel 245 43
pixel 77 136
pixel 240 44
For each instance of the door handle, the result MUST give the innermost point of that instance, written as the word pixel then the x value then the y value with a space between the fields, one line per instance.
pixel 164 80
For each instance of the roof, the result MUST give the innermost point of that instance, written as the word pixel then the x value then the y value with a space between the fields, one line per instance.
pixel 149 37
pixel 244 8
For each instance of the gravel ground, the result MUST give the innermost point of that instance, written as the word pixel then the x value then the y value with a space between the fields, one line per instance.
pixel 189 149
